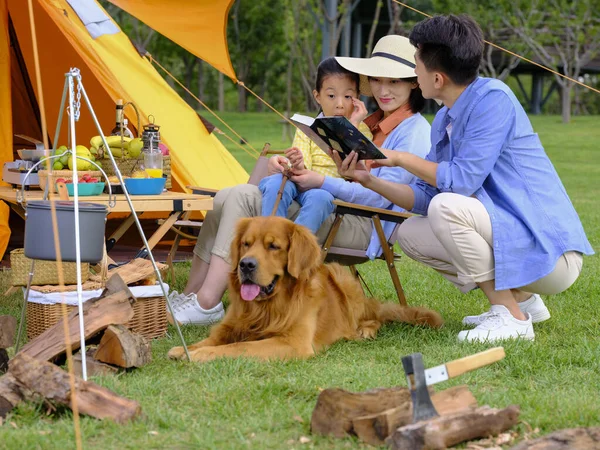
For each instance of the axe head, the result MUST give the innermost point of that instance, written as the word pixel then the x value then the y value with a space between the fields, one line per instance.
pixel 414 369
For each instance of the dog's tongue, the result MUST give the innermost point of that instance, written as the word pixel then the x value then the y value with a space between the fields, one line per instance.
pixel 249 291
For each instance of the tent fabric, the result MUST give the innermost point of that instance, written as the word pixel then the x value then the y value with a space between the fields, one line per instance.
pixel 111 68
pixel 93 17
pixel 6 151
pixel 191 24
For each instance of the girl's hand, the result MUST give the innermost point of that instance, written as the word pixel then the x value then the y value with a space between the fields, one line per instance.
pixel 391 161
pixel 307 179
pixel 278 164
pixel 296 159
pixel 352 169
pixel 359 113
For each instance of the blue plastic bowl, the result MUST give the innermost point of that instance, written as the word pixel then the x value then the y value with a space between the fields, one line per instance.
pixel 145 186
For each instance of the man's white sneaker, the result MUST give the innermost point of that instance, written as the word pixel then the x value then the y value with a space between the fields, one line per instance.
pixel 499 324
pixel 189 312
pixel 534 305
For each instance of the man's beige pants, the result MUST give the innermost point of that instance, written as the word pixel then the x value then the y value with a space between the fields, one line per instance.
pixel 456 240
pixel 244 200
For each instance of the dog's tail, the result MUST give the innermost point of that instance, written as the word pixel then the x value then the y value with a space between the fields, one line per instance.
pixel 389 312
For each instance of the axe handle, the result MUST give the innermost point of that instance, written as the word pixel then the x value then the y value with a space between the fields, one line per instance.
pixel 468 363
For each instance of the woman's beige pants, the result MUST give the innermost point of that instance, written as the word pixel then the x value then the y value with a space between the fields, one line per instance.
pixel 456 240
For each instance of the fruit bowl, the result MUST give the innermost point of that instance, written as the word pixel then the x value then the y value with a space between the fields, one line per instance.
pixel 145 186
pixel 87 189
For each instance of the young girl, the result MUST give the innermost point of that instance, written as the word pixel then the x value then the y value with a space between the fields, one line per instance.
pixel 336 92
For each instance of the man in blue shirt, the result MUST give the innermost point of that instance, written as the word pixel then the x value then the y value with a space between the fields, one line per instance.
pixel 495 214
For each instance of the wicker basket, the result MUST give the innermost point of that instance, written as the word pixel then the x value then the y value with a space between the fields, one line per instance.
pixel 127 167
pixel 43 176
pixel 149 317
pixel 44 272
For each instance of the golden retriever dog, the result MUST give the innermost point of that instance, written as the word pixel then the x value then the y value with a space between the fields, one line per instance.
pixel 285 303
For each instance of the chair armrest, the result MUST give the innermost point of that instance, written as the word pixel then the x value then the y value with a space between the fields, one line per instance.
pixel 369 211
pixel 203 191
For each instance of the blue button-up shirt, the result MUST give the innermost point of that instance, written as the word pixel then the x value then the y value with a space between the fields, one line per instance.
pixel 411 135
pixel 485 147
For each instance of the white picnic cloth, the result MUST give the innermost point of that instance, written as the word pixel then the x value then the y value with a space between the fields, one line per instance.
pixel 70 298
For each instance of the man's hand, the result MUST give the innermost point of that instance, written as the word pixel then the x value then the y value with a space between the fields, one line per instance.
pixel 296 159
pixel 307 179
pixel 359 113
pixel 352 169
pixel 278 164
pixel 392 160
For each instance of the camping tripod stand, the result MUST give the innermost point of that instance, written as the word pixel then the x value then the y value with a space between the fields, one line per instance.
pixel 73 110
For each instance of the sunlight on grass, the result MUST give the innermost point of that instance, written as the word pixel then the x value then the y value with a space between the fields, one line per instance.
pixel 240 404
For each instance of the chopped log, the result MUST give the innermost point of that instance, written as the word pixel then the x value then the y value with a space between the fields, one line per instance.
pixel 10 394
pixel 122 348
pixel 567 439
pixel 93 367
pixel 336 408
pixel 52 382
pixel 445 431
pixel 98 314
pixel 3 361
pixel 375 428
pixel 8 328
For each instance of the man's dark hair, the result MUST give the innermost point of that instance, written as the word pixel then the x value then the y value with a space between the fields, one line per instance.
pixel 450 44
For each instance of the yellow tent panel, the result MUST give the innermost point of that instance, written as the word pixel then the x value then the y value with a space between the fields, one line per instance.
pixel 199 26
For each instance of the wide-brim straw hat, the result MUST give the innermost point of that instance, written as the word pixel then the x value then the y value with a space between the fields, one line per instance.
pixel 392 57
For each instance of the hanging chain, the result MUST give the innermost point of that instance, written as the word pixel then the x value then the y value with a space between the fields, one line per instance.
pixel 76 74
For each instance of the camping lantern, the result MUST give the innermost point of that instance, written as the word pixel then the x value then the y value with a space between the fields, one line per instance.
pixel 151 137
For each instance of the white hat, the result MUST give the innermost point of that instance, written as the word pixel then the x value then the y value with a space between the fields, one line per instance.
pixel 392 57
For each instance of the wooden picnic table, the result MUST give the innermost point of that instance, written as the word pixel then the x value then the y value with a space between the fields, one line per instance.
pixel 174 203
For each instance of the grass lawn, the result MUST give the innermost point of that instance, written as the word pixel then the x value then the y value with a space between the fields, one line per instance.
pixel 240 404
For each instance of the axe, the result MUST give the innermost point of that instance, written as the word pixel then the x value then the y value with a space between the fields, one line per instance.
pixel 418 378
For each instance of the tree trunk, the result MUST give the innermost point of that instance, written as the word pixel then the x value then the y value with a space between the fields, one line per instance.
pixel 374 27
pixel 221 93
pixel 565 97
pixel 288 87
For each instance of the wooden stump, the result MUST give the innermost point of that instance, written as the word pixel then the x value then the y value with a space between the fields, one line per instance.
pixel 336 408
pixel 375 428
pixel 11 394
pixel 122 348
pixel 8 328
pixel 568 439
pixel 51 382
pixel 448 430
pixel 98 314
pixel 93 367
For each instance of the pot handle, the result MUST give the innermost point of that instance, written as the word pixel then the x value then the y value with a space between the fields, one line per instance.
pixel 112 198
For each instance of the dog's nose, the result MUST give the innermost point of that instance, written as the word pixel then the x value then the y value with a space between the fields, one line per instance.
pixel 248 265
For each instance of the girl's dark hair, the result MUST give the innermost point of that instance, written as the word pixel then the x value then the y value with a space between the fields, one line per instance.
pixel 329 67
pixel 416 99
pixel 450 44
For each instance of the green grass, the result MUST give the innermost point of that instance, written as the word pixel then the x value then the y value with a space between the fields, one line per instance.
pixel 240 404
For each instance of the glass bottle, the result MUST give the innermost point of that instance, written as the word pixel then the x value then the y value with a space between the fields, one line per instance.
pixel 121 122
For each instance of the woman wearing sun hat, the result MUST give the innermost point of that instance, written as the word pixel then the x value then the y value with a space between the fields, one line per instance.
pixel 397 125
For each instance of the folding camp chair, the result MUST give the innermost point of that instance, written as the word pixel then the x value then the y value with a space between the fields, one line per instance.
pixel 345 256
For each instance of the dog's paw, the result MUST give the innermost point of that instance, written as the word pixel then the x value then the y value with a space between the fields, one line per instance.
pixel 368 329
pixel 203 354
pixel 176 353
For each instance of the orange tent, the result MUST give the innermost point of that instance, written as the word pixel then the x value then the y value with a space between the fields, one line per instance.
pixel 111 68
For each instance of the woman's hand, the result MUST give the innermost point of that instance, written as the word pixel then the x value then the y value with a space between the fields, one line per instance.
pixel 352 169
pixel 359 113
pixel 391 161
pixel 307 179
pixel 296 159
pixel 277 164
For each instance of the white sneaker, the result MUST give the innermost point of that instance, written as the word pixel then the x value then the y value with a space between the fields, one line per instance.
pixel 499 324
pixel 189 312
pixel 534 305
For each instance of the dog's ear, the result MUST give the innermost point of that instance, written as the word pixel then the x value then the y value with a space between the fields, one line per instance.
pixel 304 254
pixel 240 229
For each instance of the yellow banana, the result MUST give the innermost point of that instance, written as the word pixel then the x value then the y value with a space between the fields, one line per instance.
pixel 112 141
pixel 117 152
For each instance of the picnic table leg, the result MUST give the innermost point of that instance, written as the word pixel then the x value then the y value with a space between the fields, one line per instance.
pixel 174 247
pixel 160 233
pixel 120 231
